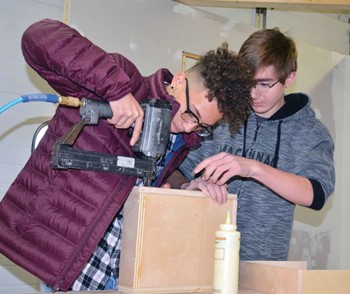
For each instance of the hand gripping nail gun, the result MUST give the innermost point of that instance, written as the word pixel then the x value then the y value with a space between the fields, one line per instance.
pixel 148 149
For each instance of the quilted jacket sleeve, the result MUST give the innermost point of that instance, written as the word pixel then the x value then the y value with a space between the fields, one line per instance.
pixel 73 65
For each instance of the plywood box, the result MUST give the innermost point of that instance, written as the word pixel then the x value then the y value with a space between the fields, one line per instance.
pixel 290 277
pixel 168 240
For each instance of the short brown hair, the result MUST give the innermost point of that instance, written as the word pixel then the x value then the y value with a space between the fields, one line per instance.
pixel 270 47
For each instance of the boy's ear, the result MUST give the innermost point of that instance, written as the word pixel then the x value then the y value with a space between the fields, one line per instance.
pixel 290 79
pixel 178 79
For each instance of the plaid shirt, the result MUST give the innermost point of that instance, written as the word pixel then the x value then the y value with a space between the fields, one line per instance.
pixel 104 262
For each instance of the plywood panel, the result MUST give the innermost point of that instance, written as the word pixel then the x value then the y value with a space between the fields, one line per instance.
pixel 292 277
pixel 325 281
pixel 168 240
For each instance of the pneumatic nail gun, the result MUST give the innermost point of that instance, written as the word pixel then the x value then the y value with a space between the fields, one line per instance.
pixel 148 149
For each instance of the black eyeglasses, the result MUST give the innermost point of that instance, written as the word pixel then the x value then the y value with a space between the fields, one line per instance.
pixel 264 87
pixel 188 116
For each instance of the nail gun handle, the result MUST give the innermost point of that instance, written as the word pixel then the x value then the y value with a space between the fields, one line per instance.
pixel 94 110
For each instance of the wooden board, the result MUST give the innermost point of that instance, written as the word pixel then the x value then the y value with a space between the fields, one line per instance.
pixel 168 240
pixel 270 277
pixel 291 277
pixel 325 281
pixel 319 4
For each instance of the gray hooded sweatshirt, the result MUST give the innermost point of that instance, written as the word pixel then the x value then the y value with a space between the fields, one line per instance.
pixel 292 140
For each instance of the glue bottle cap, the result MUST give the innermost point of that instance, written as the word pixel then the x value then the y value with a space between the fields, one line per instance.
pixel 228 226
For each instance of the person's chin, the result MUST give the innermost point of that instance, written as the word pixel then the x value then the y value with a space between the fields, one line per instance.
pixel 256 105
pixel 258 108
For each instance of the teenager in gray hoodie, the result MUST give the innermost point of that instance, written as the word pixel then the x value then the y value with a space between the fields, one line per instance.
pixel 281 157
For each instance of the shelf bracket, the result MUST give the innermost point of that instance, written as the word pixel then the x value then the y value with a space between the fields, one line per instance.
pixel 260 18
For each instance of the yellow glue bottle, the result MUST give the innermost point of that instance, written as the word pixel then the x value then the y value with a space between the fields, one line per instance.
pixel 226 258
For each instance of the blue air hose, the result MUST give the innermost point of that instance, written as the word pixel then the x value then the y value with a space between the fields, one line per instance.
pixel 53 98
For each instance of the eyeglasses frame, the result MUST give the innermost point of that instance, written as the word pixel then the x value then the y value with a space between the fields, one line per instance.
pixel 269 86
pixel 190 112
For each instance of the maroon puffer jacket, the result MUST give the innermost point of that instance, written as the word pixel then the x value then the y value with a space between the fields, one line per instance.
pixel 52 220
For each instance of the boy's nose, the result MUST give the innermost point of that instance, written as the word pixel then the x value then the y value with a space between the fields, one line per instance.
pixel 254 93
pixel 189 127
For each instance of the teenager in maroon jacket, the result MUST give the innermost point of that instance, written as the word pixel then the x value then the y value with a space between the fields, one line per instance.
pixel 52 220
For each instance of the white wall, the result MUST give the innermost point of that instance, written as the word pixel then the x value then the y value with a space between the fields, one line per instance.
pixel 316 234
pixel 153 33
pixel 320 30
pixel 328 30
pixel 340 223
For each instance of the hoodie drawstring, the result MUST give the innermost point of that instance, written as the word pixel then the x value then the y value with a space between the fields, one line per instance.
pixel 277 148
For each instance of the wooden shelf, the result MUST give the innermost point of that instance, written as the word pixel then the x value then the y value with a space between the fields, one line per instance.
pixel 313 4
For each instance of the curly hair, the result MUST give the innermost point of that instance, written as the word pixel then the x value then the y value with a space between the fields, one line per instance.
pixel 229 81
